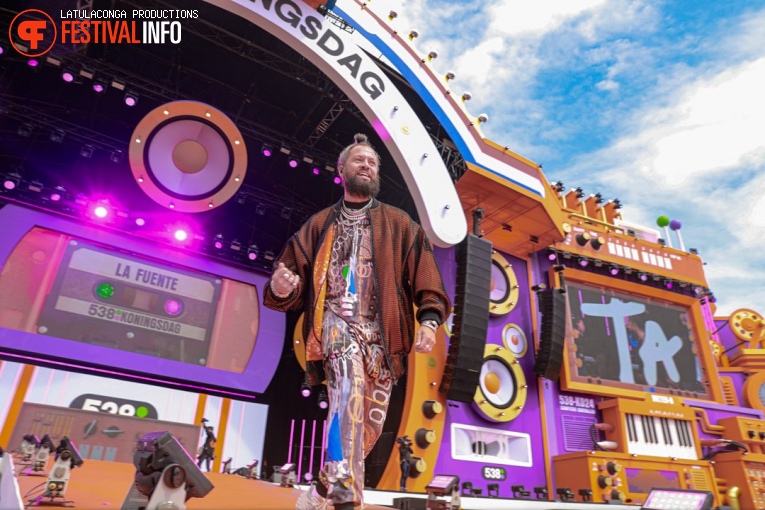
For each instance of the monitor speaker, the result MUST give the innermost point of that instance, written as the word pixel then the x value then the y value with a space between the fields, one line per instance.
pixel 552 305
pixel 471 319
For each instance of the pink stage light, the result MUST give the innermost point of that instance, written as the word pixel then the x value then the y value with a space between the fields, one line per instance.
pixel 33 62
pixel 9 184
pixel 218 245
pixel 55 197
pixel 181 235
pixel 67 76
pixel 252 255
pixel 337 180
pixel 98 87
pixel 140 222
pixel 101 212
pixel 316 170
pixel 293 163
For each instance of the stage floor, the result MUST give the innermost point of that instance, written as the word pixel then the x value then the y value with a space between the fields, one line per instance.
pixel 100 484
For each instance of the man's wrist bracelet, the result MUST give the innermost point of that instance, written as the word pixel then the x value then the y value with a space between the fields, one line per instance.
pixel 277 294
pixel 429 323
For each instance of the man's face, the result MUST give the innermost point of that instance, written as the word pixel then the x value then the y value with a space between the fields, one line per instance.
pixel 360 172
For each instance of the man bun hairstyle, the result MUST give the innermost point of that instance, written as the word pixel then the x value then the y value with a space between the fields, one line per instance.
pixel 358 139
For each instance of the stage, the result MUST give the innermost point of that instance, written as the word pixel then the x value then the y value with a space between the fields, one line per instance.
pixel 99 484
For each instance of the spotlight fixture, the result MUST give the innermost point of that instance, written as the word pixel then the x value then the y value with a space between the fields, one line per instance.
pixel 628 270
pixel 33 63
pixel 337 179
pixel 100 85
pixel 68 74
pixel 180 235
pixel 260 210
pixel 218 242
pixel 235 245
pixel 11 181
pixel 269 255
pixel 305 389
pixel 617 203
pixel 57 135
pixel 316 170
pixel 598 199
pixel 613 269
pixel 579 193
pixel 131 98
pixel 597 263
pixel 285 149
pixel 323 398
pixel 693 251
pixel 642 276
pixel 668 283
pixel 553 255
pixel 87 151
pixel 252 253
pixel 538 287
pixel 559 187
pixel 116 156
pixel 25 130
pixel 266 150
pixel 583 261
pixel 293 162
pixel 286 213
pixel 662 241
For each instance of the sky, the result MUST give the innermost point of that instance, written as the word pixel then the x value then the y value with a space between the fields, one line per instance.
pixel 658 103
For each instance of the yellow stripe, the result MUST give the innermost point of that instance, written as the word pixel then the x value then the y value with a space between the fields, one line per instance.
pixel 200 413
pixel 18 399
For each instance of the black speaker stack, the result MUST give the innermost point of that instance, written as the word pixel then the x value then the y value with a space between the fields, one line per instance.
pixel 471 319
pixel 552 305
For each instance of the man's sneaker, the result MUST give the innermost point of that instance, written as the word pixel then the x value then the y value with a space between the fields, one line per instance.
pixel 311 500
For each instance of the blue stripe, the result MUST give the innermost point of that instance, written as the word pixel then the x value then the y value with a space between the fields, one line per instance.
pixel 430 101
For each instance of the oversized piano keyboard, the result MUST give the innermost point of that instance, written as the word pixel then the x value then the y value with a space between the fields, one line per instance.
pixel 659 437
pixel 647 427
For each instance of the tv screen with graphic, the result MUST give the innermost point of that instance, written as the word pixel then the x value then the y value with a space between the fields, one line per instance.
pixel 617 340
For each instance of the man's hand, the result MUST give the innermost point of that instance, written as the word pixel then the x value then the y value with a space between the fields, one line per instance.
pixel 284 281
pixel 426 339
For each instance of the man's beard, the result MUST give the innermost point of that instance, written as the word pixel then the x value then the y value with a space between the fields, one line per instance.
pixel 365 188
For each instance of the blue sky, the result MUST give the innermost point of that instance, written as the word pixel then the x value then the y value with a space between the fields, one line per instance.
pixel 658 103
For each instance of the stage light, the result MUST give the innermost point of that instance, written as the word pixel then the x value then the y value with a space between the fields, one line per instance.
pixel 140 222
pixel 165 472
pixel 180 235
pixel 260 210
pixel 87 151
pixel 693 251
pixel 2 49
pixel 286 213
pixel 552 256
pixel 116 156
pixel 284 149
pixel 579 193
pixel 267 150
pixel 681 499
pixel 100 85
pixel 642 276
pixel 218 243
pixel 305 389
pixel 668 283
pixel 316 170
pixel 57 135
pixel 269 255
pixel 323 398
pixel 337 180
pixel 131 98
pixel 11 181
pixel 252 252
pixel 293 162
pixel 583 261
pixel 33 63
pixel 68 74
pixel 492 490
pixel 25 130
pixel 613 269
pixel 520 492
pixel 100 211
pixel 617 204
pixel 559 187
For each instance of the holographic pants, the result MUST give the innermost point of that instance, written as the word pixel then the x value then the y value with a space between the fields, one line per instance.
pixel 358 404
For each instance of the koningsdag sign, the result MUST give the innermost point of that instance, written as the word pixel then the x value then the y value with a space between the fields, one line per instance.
pixel 335 52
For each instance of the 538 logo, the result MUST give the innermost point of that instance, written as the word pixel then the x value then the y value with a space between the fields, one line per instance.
pixel 112 405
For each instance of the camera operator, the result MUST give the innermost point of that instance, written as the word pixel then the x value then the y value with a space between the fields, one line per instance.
pixel 405 454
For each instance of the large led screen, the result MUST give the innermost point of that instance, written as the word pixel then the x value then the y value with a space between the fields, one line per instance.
pixel 618 340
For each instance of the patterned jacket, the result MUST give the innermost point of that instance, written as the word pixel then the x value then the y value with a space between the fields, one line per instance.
pixel 406 274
